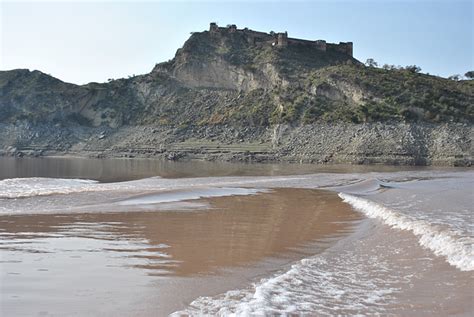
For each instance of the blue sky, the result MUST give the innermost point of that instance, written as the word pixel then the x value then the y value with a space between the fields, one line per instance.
pixel 84 41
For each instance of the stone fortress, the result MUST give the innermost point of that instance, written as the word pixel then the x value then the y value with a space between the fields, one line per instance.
pixel 280 39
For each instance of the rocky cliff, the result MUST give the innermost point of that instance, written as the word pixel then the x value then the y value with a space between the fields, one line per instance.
pixel 224 97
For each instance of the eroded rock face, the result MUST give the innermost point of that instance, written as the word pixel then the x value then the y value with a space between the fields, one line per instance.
pixel 223 62
pixel 221 74
pixel 398 144
pixel 218 74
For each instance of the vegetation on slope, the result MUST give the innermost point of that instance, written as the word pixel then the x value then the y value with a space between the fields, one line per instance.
pixel 303 86
pixel 385 95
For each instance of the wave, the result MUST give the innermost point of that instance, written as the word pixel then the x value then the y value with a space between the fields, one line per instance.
pixel 193 194
pixel 44 186
pixel 340 281
pixel 40 186
pixel 364 187
pixel 458 251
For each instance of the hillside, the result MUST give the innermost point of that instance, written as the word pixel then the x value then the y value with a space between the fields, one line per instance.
pixel 226 77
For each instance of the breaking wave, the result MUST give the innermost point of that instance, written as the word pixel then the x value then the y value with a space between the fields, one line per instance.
pixel 193 194
pixel 457 250
pixel 40 186
pixel 343 280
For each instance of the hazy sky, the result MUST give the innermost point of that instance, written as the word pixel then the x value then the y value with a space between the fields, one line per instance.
pixel 86 41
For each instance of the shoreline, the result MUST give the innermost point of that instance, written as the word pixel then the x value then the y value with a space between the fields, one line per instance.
pixel 397 144
pixel 243 157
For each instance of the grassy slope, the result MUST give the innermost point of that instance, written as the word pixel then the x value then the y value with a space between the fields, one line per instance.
pixel 387 95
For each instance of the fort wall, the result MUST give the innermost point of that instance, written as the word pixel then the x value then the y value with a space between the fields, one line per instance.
pixel 342 47
pixel 281 39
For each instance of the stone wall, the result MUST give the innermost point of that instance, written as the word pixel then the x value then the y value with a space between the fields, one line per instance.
pixel 342 47
pixel 281 39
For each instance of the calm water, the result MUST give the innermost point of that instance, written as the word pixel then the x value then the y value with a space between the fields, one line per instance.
pixel 116 170
pixel 144 237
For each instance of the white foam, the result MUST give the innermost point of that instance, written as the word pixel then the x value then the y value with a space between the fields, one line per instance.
pixel 343 281
pixel 39 186
pixel 458 251
pixel 167 197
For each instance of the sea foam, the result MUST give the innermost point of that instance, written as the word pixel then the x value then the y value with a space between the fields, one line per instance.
pixel 457 250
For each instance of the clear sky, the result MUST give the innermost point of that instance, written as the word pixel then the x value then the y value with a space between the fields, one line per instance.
pixel 86 41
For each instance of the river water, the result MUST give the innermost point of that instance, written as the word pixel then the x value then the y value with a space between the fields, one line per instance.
pixel 143 237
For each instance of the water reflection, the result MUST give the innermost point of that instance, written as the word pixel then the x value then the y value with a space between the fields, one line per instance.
pixel 234 231
pixel 148 263
pixel 113 170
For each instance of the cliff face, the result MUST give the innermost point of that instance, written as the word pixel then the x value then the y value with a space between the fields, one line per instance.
pixel 225 82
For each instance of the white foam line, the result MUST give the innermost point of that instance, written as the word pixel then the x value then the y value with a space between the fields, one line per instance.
pixel 458 253
pixel 193 194
pixel 37 186
pixel 28 187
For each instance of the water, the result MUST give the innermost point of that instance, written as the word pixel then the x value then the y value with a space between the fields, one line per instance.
pixel 421 266
pixel 239 240
pixel 123 169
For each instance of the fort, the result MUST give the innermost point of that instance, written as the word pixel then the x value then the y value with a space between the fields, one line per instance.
pixel 280 40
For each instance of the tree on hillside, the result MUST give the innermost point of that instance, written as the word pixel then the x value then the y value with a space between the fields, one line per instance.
pixel 469 74
pixel 371 62
pixel 455 77
pixel 413 68
pixel 389 67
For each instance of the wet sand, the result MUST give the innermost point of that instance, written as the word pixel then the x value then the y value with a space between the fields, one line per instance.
pixel 154 263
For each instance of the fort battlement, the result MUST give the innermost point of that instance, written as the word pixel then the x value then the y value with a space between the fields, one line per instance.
pixel 280 40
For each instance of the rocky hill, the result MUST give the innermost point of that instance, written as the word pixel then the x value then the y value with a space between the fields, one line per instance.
pixel 240 95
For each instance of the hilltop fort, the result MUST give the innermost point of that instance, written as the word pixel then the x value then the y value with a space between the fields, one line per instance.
pixel 280 39
pixel 245 60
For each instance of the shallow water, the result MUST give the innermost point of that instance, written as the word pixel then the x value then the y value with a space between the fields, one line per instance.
pixel 399 263
pixel 372 242
pixel 55 262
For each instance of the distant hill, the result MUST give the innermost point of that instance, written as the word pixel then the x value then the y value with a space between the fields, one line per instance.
pixel 219 77
pixel 242 78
